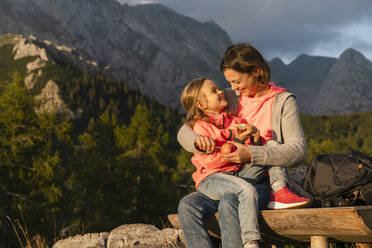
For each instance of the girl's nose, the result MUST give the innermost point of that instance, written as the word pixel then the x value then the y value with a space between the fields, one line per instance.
pixel 234 87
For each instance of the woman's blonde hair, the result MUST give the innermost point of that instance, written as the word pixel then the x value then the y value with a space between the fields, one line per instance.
pixel 244 58
pixel 189 98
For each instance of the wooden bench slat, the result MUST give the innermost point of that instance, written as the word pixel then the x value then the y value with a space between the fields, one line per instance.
pixel 346 224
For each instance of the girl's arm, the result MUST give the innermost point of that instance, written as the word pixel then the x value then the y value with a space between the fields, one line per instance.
pixel 198 141
pixel 211 161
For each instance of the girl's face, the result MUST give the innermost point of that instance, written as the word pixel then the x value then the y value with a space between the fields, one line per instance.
pixel 245 83
pixel 211 98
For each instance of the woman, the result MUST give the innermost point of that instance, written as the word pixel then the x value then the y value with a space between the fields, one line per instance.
pixel 277 117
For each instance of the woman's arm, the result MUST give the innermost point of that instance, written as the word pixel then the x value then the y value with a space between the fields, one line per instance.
pixel 293 149
pixel 290 152
pixel 186 137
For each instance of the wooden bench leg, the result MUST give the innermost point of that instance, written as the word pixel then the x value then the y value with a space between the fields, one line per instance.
pixel 319 242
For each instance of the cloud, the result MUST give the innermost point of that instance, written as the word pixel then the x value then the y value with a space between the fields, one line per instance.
pixel 287 28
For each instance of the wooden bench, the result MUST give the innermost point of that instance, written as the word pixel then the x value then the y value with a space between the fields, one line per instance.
pixel 314 225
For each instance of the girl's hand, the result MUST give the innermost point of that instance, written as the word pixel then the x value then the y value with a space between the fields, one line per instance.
pixel 250 130
pixel 205 144
pixel 242 135
pixel 241 155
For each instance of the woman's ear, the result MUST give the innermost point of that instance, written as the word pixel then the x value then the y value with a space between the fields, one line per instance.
pixel 258 75
pixel 257 72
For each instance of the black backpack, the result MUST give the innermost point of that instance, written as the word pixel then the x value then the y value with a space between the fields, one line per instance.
pixel 337 180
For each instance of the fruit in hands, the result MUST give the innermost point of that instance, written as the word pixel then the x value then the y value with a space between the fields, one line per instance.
pixel 241 126
pixel 227 148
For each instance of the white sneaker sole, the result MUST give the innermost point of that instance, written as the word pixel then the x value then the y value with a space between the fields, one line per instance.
pixel 279 205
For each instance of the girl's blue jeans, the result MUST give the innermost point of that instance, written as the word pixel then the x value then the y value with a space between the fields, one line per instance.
pixel 196 207
pixel 239 198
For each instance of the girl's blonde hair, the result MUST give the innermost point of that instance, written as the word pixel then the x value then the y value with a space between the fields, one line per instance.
pixel 189 98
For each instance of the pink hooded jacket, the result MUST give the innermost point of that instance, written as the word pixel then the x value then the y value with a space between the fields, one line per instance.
pixel 220 128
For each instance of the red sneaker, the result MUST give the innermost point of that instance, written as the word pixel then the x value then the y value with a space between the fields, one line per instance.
pixel 284 198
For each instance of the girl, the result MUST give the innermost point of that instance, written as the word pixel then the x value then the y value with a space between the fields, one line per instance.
pixel 205 106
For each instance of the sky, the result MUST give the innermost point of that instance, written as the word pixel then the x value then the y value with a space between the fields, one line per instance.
pixel 286 28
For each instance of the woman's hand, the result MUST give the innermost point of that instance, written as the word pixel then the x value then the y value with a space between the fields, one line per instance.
pixel 205 144
pixel 241 155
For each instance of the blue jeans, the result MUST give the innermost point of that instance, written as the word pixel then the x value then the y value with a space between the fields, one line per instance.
pixel 194 208
pixel 240 183
pixel 278 173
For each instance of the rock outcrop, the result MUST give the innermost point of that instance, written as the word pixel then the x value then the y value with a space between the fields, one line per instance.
pixel 96 240
pixel 25 48
pixel 51 100
pixel 45 52
pixel 127 236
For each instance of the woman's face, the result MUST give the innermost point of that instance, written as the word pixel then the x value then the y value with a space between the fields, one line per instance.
pixel 245 83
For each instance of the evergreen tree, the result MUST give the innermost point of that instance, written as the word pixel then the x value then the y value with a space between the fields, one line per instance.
pixel 145 167
pixel 31 171
pixel 94 193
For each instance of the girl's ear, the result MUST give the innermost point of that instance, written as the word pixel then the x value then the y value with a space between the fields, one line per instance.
pixel 200 104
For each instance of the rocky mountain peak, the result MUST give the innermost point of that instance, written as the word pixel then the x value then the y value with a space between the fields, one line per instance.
pixel 348 85
pixel 277 62
pixel 352 56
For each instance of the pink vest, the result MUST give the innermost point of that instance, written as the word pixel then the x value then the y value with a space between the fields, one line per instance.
pixel 258 111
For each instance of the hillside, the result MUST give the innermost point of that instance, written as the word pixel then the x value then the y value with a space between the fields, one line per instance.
pixel 98 146
pixel 337 133
pixel 153 48
pixel 68 82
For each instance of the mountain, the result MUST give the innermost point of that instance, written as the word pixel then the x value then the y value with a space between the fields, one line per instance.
pixel 151 47
pixel 326 85
pixel 157 51
pixel 71 84
pixel 348 85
